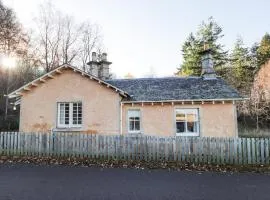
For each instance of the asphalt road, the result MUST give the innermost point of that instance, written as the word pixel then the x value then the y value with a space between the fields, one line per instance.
pixel 62 182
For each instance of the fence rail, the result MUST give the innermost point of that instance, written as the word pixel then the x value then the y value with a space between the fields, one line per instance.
pixel 236 151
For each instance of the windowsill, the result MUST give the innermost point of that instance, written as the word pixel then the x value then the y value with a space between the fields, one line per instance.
pixel 188 134
pixel 135 133
pixel 67 129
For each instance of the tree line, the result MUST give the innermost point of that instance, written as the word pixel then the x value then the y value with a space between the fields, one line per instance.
pixel 55 39
pixel 238 66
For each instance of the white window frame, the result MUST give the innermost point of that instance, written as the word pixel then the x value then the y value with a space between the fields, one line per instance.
pixel 187 111
pixel 70 124
pixel 140 121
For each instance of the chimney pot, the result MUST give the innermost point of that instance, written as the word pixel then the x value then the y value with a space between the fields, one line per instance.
pixel 94 56
pixel 104 56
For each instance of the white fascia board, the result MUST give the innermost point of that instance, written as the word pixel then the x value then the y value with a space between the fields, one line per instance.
pixel 16 92
pixel 187 100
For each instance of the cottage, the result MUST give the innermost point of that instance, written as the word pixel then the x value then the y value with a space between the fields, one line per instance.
pixel 68 99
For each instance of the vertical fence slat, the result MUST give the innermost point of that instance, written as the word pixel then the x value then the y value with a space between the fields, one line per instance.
pixel 262 151
pixel 1 143
pixel 249 150
pixel 258 160
pixel 267 151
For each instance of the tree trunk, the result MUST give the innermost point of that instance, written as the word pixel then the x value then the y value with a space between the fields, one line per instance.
pixel 6 101
pixel 257 122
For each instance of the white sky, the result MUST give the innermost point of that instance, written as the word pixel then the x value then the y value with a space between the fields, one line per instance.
pixel 146 35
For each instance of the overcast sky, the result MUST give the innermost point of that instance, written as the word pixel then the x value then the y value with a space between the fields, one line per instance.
pixel 144 35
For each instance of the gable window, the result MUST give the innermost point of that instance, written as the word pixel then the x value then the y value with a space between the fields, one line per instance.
pixel 134 121
pixel 69 114
pixel 187 122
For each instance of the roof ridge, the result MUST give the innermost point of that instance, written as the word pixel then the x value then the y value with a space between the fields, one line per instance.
pixel 170 77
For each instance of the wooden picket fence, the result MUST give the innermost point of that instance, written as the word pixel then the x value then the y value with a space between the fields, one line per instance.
pixel 208 150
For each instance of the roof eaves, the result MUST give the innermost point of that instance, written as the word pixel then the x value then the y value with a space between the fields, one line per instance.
pixel 17 92
pixel 189 100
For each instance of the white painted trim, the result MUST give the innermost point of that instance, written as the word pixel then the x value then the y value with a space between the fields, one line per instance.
pixel 34 84
pixel 42 79
pixel 187 100
pixel 51 76
pixel 121 118
pixel 58 71
pixel 235 120
pixel 26 88
pixel 18 102
pixel 188 134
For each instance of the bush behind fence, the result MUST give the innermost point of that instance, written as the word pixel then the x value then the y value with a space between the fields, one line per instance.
pixel 204 150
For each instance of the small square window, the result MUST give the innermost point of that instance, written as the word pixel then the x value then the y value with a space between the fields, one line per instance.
pixel 134 121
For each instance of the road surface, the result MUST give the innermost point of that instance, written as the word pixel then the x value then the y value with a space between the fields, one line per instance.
pixel 32 182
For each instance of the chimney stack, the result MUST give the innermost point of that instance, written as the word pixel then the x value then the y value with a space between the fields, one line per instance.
pixel 93 65
pixel 99 67
pixel 208 71
pixel 104 72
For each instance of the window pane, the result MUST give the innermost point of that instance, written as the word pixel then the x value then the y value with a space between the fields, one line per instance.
pixel 61 113
pixel 191 117
pixel 192 127
pixel 180 117
pixel 77 113
pixel 137 125
pixel 131 125
pixel 134 113
pixel 136 118
pixel 66 113
pixel 79 107
pixel 180 127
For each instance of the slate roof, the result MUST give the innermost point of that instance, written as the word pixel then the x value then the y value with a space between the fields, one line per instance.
pixel 175 88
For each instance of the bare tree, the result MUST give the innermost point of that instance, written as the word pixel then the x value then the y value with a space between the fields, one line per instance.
pixel 69 40
pixel 90 39
pixel 49 36
pixel 259 106
pixel 62 40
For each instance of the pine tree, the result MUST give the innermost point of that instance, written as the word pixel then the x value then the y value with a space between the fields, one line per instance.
pixel 242 67
pixel 191 56
pixel 208 33
pixel 263 51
